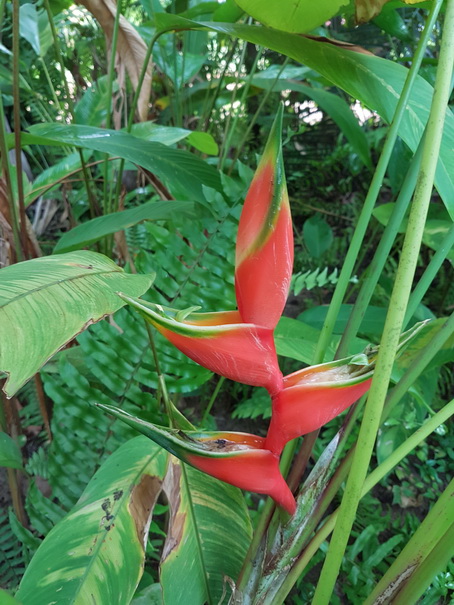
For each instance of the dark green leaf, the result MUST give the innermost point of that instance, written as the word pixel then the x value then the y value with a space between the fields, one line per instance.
pixel 10 455
pixel 180 170
pixel 97 228
pixel 318 236
pixel 374 81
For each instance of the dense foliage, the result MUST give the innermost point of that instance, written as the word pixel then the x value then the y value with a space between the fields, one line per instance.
pixel 125 169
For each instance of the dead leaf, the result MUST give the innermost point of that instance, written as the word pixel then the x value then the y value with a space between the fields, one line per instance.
pixel 365 10
pixel 345 45
pixel 131 49
pixel 171 487
pixel 141 505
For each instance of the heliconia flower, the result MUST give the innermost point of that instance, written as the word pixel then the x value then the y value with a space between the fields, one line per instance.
pixel 264 247
pixel 315 395
pixel 235 458
pixel 219 341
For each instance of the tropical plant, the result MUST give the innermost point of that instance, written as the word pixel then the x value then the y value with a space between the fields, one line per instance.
pixel 129 168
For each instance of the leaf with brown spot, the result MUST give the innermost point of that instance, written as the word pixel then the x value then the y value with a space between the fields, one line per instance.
pixel 208 536
pixel 96 553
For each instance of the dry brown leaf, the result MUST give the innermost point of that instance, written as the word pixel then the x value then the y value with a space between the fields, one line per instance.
pixel 339 43
pixel 131 49
pixel 365 10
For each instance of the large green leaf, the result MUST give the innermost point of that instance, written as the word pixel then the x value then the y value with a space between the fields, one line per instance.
pixel 96 553
pixel 208 537
pixel 298 16
pixel 181 171
pixel 45 302
pixel 97 228
pixel 374 81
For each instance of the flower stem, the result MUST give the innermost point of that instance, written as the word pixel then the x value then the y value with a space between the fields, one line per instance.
pixel 377 475
pixel 395 316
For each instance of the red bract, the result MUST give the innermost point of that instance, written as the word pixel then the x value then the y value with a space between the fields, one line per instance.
pixel 264 247
pixel 314 396
pixel 236 458
pixel 219 342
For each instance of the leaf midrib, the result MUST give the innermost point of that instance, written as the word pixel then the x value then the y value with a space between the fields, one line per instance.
pixel 54 283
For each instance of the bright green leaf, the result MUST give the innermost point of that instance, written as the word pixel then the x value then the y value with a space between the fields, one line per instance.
pixel 47 301
pixel 296 16
pixel 53 175
pixel 10 455
pixel 97 228
pixel 96 553
pixel 204 142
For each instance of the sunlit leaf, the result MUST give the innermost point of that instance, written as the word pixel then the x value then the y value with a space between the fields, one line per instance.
pixel 45 302
pixel 96 553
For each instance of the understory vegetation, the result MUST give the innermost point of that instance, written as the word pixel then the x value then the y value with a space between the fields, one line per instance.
pixel 133 140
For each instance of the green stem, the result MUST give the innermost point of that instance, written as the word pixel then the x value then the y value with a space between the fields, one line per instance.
pixel 91 198
pixel 381 255
pixel 227 130
pixel 418 365
pixel 50 84
pixel 429 274
pixel 375 477
pixel 374 189
pixel 435 562
pixel 256 115
pixel 176 418
pixel 212 400
pixel 246 86
pixel 395 316
pixel 207 114
pixel 427 553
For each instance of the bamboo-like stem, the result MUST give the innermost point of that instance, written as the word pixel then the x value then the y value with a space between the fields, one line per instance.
pixel 207 411
pixel 17 132
pixel 375 477
pixel 395 316
pixel 433 563
pixel 374 189
pixel 381 255
pixel 429 274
